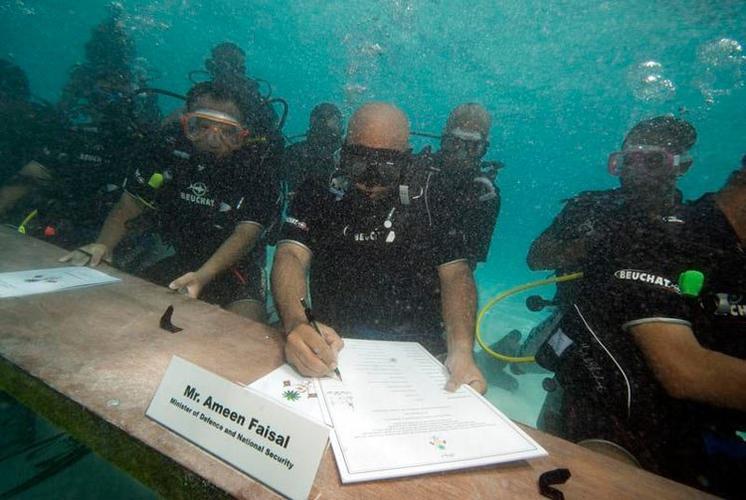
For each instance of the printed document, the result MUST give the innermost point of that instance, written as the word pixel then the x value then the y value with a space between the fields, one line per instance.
pixel 392 416
pixel 56 279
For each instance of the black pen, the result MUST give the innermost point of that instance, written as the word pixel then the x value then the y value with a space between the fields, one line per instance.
pixel 312 321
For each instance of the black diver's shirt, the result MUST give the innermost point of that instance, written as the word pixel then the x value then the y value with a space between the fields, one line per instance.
pixel 20 139
pixel 593 215
pixel 199 199
pixel 303 160
pixel 647 281
pixel 474 214
pixel 597 217
pixel 587 214
pixel 632 279
pixel 374 263
pixel 719 316
pixel 87 166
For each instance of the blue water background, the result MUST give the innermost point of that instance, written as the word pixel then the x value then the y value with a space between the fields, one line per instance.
pixel 561 78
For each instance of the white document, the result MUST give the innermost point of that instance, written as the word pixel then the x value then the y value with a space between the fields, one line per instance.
pixel 392 416
pixel 291 389
pixel 56 279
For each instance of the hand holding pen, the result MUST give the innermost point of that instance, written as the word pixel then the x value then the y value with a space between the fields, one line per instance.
pixel 312 322
pixel 312 347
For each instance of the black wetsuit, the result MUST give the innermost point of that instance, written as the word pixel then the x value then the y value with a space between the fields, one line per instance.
pixel 610 392
pixel 199 204
pixel 27 126
pixel 374 267
pixel 87 165
pixel 474 217
pixel 591 217
pixel 303 160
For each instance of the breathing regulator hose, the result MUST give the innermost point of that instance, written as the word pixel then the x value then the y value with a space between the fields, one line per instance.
pixel 504 295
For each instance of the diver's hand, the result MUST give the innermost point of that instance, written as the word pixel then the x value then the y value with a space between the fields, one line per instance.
pixel 464 371
pixel 91 254
pixel 309 353
pixel 192 282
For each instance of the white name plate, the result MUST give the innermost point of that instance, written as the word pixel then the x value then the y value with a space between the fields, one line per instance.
pixel 250 432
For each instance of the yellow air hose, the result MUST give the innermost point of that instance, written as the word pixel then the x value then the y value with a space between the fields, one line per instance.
pixel 504 295
pixel 29 217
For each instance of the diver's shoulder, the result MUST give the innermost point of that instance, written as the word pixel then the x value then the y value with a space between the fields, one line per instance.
pixel 597 197
pixel 316 188
pixel 698 214
pixel 705 202
pixel 258 164
pixel 299 148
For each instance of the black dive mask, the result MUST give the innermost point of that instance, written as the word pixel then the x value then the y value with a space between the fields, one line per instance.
pixel 454 145
pixel 374 166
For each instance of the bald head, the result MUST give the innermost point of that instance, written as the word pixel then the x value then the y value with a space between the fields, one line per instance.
pixel 379 125
pixel 470 117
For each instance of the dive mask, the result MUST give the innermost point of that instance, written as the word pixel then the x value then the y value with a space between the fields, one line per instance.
pixel 205 121
pixel 373 165
pixel 649 157
pixel 471 143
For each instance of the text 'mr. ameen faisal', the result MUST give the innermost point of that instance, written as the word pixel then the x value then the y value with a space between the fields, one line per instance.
pixel 263 430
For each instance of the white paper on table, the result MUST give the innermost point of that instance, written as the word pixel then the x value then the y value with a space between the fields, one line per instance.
pixel 288 387
pixel 392 417
pixel 56 279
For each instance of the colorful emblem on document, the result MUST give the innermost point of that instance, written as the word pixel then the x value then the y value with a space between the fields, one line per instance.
pixel 438 443
pixel 291 395
pixel 294 394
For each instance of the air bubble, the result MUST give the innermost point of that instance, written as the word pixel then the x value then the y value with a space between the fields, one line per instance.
pixel 648 82
pixel 721 68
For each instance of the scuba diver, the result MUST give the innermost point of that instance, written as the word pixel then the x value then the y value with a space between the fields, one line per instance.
pixel 75 175
pixel 212 191
pixel 647 185
pixel 587 216
pixel 227 65
pixel 463 172
pixel 650 357
pixel 358 241
pixel 463 144
pixel 103 89
pixel 314 156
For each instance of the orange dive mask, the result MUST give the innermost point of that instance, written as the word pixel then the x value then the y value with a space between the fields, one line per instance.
pixel 201 122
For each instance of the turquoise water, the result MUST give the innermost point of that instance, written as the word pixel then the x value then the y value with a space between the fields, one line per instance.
pixel 564 81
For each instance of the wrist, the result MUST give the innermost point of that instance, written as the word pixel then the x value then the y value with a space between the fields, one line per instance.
pixel 461 349
pixel 292 323
pixel 106 250
pixel 203 275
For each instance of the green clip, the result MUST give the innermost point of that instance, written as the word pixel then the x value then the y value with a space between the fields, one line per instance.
pixel 690 283
pixel 156 180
